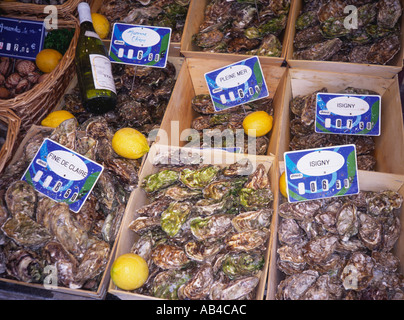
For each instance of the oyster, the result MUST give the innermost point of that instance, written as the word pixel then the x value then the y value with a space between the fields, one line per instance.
pixel 389 11
pixel 62 226
pixel 25 265
pixel 382 51
pixel 209 206
pixel 26 232
pixel 237 289
pixel 216 226
pixel 169 257
pixel 93 263
pixel 247 240
pixel 320 51
pixel 160 180
pixel 65 263
pixel 252 199
pixel 252 220
pixel 199 178
pixel 293 287
pixel 358 272
pixel 242 264
pixel 166 283
pixel 174 217
pixel 199 251
pixel 198 287
pixel 21 197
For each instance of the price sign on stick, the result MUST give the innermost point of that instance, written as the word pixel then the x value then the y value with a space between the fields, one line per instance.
pixel 351 114
pixel 140 45
pixel 62 174
pixel 237 84
pixel 22 39
pixel 321 173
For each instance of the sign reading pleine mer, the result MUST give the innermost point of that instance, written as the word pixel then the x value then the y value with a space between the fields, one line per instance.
pixel 321 173
pixel 62 174
pixel 237 84
pixel 22 39
pixel 140 45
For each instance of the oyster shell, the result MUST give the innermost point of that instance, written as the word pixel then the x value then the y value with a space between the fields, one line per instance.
pixel 166 284
pixel 242 264
pixel 21 197
pixel 199 178
pixel 167 256
pixel 25 265
pixel 252 220
pixel 174 217
pixel 198 287
pixel 25 231
pixel 160 180
pixel 216 226
pixel 247 240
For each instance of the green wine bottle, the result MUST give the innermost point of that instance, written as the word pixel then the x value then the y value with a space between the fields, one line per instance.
pixel 93 67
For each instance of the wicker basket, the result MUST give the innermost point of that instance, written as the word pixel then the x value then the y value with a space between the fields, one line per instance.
pixel 33 105
pixel 38 10
pixel 13 128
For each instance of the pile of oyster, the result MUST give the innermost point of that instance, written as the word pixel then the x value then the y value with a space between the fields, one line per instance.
pixel 302 129
pixel 205 230
pixel 341 248
pixel 243 27
pixel 143 95
pixel 219 129
pixel 325 30
pixel 160 13
pixel 37 232
pixel 17 76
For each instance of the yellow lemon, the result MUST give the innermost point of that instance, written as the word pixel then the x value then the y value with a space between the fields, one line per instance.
pixel 101 25
pixel 282 185
pixel 129 271
pixel 130 143
pixel 257 124
pixel 56 117
pixel 47 59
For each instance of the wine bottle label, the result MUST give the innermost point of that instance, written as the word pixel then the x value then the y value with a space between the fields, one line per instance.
pixel 92 34
pixel 102 73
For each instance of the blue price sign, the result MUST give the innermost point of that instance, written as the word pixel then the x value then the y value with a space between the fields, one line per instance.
pixel 321 173
pixel 237 84
pixel 62 174
pixel 348 114
pixel 22 39
pixel 140 45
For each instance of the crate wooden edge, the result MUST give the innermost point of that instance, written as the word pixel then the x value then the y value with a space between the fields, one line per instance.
pixel 386 71
pixel 127 295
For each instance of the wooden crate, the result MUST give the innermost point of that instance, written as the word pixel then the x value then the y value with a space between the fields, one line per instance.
pixel 196 16
pixel 139 198
pixel 389 150
pixel 368 181
pixel 191 82
pixel 387 71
